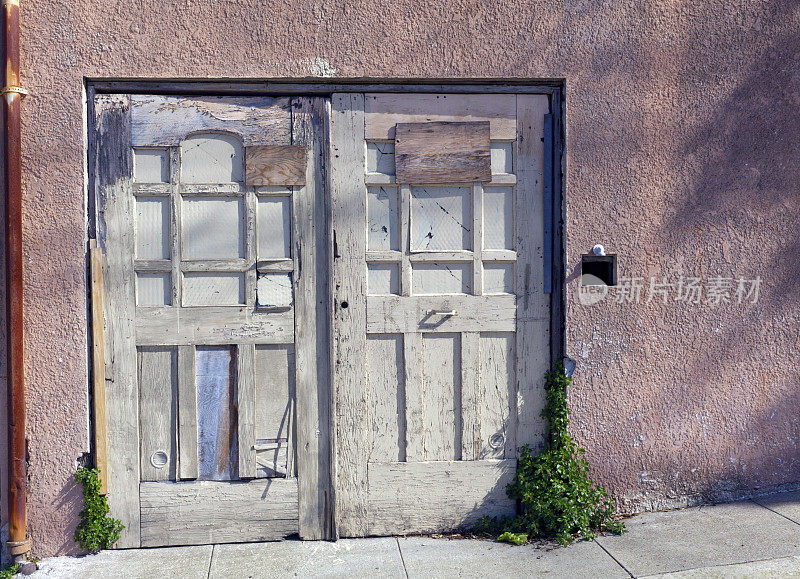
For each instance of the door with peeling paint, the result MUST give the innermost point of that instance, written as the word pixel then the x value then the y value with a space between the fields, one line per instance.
pixel 209 214
pixel 440 320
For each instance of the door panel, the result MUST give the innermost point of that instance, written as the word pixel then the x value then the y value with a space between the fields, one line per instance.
pixel 215 310
pixel 440 318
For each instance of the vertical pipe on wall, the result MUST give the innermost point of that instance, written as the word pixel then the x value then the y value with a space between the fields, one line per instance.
pixel 18 544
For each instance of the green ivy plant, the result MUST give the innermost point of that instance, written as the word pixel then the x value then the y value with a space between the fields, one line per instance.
pixel 558 498
pixel 96 529
pixel 9 570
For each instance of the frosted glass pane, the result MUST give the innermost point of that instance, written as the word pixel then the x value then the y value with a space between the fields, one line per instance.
pixel 274 290
pixel 383 279
pixel 502 158
pixel 212 158
pixel 440 278
pixel 380 158
pixel 213 289
pixel 150 166
pixel 274 227
pixel 441 218
pixel 498 278
pixel 153 289
pixel 152 228
pixel 382 221
pixel 498 218
pixel 213 228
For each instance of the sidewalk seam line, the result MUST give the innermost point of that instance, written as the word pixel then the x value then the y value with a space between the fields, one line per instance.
pixel 402 560
pixel 624 568
pixel 774 511
pixel 210 561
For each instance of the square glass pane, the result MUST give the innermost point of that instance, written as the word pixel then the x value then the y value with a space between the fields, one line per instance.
pixel 502 158
pixel 213 228
pixel 383 279
pixel 441 278
pixel 383 230
pixel 152 228
pixel 150 166
pixel 498 277
pixel 441 218
pixel 274 290
pixel 274 227
pixel 212 158
pixel 380 158
pixel 498 218
pixel 213 289
pixel 153 289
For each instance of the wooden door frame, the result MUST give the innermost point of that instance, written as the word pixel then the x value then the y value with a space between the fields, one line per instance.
pixel 324 526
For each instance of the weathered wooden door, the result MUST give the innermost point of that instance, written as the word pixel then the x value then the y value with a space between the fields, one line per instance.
pixel 440 320
pixel 215 312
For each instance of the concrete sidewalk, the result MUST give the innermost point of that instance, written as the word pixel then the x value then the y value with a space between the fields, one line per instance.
pixel 753 538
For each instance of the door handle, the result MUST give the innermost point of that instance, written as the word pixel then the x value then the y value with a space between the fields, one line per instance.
pixel 442 313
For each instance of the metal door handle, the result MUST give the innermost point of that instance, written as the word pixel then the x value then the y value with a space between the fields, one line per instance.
pixel 443 313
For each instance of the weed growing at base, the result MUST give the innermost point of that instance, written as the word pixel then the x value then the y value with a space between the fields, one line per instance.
pixel 96 530
pixel 558 498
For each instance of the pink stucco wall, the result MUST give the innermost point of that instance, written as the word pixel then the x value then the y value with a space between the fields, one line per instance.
pixel 683 127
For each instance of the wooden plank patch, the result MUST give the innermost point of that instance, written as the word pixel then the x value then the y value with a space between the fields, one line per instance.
pixel 275 165
pixel 442 152
pixel 201 513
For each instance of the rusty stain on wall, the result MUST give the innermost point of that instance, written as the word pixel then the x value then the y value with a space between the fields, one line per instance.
pixel 682 131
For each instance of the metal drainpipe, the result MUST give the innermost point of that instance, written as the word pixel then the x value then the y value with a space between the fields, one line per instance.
pixel 19 544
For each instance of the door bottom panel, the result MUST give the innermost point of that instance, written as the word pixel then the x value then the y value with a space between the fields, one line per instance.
pixel 206 512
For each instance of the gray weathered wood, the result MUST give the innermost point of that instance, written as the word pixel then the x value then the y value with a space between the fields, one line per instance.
pixel 187 414
pixel 163 121
pixel 348 279
pixel 218 325
pixel 414 398
pixel 436 497
pixel 384 111
pixel 246 399
pixel 441 376
pixel 158 413
pixel 471 399
pixel 200 513
pixel 274 165
pixel 312 348
pixel 115 227
pixel 439 152
pixel 532 342
pixel 393 314
pixel 498 394
pixel 386 387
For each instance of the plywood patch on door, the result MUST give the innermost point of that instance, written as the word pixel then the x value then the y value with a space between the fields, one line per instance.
pixel 443 153
pixel 275 165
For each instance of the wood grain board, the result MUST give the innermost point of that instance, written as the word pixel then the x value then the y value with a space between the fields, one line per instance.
pixel 275 165
pixel 443 152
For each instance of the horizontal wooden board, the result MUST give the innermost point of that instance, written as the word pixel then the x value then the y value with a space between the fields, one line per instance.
pixel 163 121
pixel 440 152
pixel 393 314
pixel 434 497
pixel 384 111
pixel 275 165
pixel 213 324
pixel 202 513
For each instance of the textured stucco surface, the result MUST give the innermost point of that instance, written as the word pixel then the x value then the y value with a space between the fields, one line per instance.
pixel 683 127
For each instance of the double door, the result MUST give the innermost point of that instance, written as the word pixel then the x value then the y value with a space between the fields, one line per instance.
pixel 323 316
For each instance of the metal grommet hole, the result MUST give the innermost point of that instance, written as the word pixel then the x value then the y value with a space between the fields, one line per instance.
pixel 159 459
pixel 496 440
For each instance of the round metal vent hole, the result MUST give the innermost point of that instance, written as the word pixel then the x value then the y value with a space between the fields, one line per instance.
pixel 496 440
pixel 159 459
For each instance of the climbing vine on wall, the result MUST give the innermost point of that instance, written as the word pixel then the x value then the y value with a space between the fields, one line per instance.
pixel 558 498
